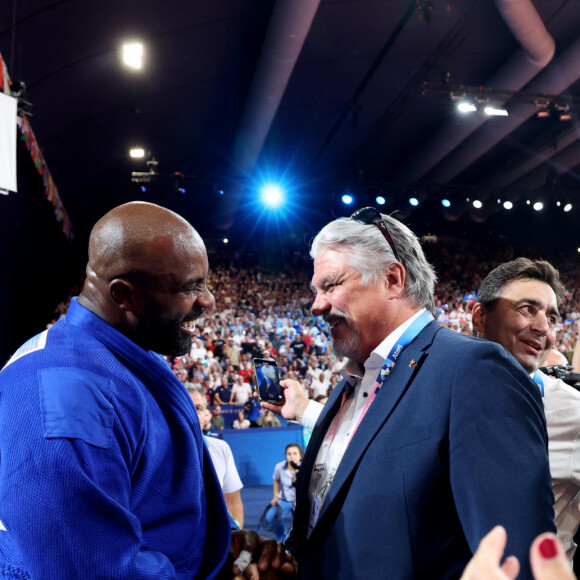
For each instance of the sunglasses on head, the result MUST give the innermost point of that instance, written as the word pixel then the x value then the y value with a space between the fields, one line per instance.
pixel 370 216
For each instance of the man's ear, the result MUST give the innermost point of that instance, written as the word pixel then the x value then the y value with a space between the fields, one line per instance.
pixel 396 277
pixel 478 318
pixel 126 295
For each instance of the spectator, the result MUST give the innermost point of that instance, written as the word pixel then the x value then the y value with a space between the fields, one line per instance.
pixel 241 391
pixel 216 417
pixel 241 422
pixel 223 394
pixel 223 461
pixel 268 419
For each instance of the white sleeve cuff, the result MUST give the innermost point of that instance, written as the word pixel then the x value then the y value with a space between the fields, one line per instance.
pixel 311 414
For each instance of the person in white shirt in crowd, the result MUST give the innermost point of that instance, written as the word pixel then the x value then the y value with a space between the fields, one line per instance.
pixel 241 391
pixel 518 307
pixel 223 461
pixel 319 386
pixel 198 351
pixel 241 422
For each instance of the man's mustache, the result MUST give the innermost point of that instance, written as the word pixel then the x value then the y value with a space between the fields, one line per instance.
pixel 334 317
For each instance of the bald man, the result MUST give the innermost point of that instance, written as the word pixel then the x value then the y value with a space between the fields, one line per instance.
pixel 103 470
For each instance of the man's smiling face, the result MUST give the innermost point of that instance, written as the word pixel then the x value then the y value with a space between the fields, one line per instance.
pixel 523 321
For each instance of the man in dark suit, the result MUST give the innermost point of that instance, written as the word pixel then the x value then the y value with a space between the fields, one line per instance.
pixel 431 439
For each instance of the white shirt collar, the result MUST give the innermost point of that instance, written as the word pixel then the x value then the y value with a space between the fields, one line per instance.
pixel 377 358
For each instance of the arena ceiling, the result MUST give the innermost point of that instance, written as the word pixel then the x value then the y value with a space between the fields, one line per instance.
pixel 329 95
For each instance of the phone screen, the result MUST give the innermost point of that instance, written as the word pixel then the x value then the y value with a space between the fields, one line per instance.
pixel 268 381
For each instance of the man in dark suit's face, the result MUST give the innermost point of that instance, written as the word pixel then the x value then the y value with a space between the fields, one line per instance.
pixel 357 313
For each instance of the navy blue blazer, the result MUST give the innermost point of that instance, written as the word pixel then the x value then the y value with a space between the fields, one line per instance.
pixel 454 443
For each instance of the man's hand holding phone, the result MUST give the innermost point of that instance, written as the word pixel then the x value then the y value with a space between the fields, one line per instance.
pixel 296 401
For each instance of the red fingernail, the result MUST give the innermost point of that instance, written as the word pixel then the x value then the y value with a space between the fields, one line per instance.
pixel 548 549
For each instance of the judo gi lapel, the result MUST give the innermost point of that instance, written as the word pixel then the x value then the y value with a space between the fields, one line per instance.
pixel 392 391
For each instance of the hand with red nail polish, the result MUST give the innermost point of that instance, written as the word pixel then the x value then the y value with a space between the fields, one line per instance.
pixel 548 559
pixel 485 564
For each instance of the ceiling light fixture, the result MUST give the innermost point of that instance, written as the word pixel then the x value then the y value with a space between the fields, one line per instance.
pixel 133 55
pixel 466 107
pixel 137 153
pixel 495 112
pixel 508 205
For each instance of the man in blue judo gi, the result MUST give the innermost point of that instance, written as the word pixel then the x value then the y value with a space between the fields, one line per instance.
pixel 103 469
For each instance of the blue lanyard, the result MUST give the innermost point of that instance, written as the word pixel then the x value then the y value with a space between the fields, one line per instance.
pixel 539 381
pixel 406 338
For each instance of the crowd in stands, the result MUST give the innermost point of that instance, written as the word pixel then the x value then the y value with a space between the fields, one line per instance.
pixel 264 311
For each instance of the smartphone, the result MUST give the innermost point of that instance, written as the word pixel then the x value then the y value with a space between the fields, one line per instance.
pixel 268 381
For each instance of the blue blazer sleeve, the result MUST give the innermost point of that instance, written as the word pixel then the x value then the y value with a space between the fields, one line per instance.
pixel 498 458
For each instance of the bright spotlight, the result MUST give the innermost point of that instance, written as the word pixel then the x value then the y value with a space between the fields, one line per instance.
pixel 137 153
pixel 495 112
pixel 414 201
pixel 477 204
pixel 466 107
pixel 347 199
pixel 380 200
pixel 538 206
pixel 133 55
pixel 508 205
pixel 226 241
pixel 445 203
pixel 272 195
pixel 567 207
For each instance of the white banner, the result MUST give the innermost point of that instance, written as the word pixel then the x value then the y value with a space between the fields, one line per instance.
pixel 7 142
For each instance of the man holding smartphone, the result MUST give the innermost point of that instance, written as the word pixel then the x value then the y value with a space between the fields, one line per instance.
pixel 431 439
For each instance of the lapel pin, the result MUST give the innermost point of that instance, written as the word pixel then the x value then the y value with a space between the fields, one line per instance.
pixel 412 364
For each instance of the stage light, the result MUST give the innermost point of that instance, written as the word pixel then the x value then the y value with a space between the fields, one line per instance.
pixel 538 206
pixel 347 199
pixel 567 207
pixel 133 55
pixel 226 241
pixel 414 201
pixel 466 107
pixel 272 195
pixel 445 203
pixel 143 189
pixel 137 153
pixel 477 204
pixel 508 205
pixel 380 200
pixel 495 112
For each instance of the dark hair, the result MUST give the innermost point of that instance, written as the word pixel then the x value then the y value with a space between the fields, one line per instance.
pixel 295 445
pixel 519 269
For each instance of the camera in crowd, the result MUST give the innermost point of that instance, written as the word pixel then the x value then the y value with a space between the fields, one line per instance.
pixel 565 373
